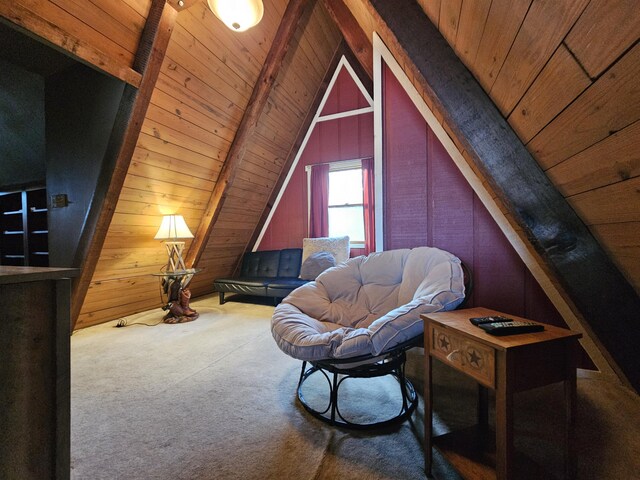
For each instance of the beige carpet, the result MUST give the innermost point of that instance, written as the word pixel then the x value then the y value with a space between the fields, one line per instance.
pixel 215 399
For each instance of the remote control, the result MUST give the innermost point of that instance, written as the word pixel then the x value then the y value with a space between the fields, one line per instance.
pixel 510 328
pixel 481 320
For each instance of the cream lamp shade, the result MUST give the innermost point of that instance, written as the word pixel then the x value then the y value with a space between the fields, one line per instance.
pixel 172 227
pixel 238 15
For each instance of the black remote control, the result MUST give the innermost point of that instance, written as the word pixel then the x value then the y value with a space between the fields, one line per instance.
pixel 510 328
pixel 482 320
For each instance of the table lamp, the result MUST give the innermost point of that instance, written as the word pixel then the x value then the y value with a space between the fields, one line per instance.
pixel 174 227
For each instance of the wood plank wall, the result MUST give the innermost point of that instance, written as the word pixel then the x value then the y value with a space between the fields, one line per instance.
pixel 105 34
pixel 303 70
pixel 565 76
pixel 204 86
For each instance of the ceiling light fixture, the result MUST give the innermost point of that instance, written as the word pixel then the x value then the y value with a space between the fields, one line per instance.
pixel 238 15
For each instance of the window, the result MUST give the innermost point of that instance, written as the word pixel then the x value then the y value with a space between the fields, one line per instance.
pixel 346 202
pixel 340 201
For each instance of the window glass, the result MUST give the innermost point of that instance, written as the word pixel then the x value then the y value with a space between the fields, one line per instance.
pixel 345 204
pixel 345 187
pixel 347 221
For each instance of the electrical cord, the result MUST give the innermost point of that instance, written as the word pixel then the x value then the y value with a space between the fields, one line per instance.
pixel 123 323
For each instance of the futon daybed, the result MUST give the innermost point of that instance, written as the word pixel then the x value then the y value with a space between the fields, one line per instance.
pixel 271 273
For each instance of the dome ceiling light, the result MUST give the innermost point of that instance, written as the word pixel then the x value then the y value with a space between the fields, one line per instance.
pixel 238 15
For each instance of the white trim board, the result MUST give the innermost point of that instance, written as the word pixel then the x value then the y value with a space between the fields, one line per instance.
pixel 350 113
pixel 378 152
pixel 381 52
pixel 343 63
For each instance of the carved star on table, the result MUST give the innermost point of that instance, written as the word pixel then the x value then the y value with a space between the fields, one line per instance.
pixel 444 342
pixel 474 358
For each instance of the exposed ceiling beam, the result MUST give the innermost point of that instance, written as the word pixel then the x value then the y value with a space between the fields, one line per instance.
pixel 59 39
pixel 601 294
pixel 353 34
pixel 122 143
pixel 246 128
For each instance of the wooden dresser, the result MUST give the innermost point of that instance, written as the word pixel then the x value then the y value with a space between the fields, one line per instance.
pixel 34 372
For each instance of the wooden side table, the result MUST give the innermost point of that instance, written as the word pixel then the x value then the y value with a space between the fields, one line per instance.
pixel 506 364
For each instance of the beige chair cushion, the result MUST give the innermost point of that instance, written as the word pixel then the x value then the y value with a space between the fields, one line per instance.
pixel 367 305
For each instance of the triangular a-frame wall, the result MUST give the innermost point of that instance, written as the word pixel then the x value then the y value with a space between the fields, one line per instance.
pixel 454 211
pixel 342 129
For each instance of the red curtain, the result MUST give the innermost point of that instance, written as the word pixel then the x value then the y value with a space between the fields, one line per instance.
pixel 368 203
pixel 319 215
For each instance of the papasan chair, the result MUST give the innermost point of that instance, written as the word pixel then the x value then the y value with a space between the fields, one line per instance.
pixel 357 319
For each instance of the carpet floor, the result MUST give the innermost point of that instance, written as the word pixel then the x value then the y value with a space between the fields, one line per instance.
pixel 215 399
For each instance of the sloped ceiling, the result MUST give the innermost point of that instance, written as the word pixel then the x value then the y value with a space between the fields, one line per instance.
pixel 563 74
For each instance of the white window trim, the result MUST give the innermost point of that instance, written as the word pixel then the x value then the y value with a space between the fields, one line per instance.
pixel 344 63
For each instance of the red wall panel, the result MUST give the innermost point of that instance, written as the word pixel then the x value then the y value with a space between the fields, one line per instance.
pixel 344 96
pixel 429 202
pixel 341 139
pixel 405 170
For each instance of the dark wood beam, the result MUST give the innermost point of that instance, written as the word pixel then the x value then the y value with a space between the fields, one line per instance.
pixel 293 152
pixel 353 34
pixel 601 294
pixel 122 143
pixel 257 102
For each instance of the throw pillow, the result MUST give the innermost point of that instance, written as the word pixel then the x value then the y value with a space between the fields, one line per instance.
pixel 316 264
pixel 336 246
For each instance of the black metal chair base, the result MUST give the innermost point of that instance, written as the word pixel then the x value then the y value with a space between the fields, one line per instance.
pixel 388 364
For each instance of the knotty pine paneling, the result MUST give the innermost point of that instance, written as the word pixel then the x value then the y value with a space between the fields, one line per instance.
pixel 614 159
pixel 501 27
pixel 621 242
pixel 608 105
pixel 97 23
pixel 473 16
pixel 546 24
pixel 449 19
pixel 303 69
pixel 603 33
pixel 202 91
pixel 543 101
pixel 615 203
pixel 432 9
pixel 98 16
